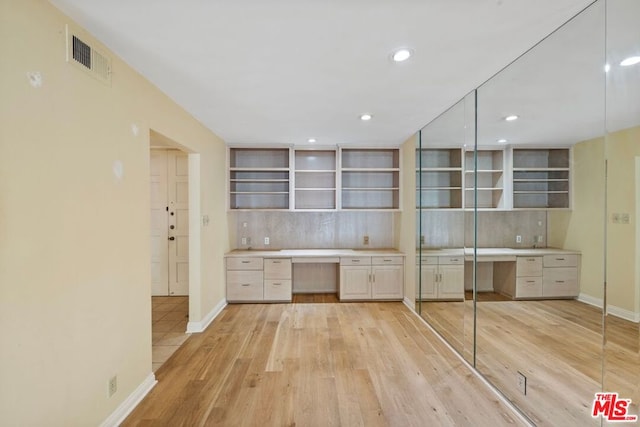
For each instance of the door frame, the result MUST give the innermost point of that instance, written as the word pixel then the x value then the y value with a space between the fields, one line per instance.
pixel 159 141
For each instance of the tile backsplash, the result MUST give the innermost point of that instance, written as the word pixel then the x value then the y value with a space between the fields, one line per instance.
pixel 295 230
pixel 497 229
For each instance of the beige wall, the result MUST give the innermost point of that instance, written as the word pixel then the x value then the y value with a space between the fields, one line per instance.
pixel 74 237
pixel 622 148
pixel 407 223
pixel 583 227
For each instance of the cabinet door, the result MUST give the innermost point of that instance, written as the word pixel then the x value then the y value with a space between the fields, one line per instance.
pixel 354 282
pixel 451 284
pixel 387 282
pixel 428 281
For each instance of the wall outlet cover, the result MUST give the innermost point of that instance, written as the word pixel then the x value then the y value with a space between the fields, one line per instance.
pixel 266 240
pixel 518 239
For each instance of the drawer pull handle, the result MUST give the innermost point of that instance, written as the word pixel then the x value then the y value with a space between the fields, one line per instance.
pixel 277 284
pixel 245 262
pixel 559 259
pixel 355 260
pixel 531 281
pixel 387 260
pixel 531 259
pixel 276 262
pixel 559 281
pixel 246 284
pixel 454 259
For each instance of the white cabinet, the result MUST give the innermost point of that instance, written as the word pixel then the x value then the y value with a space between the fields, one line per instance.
pixel 560 276
pixel 244 279
pixel 547 276
pixel 442 278
pixel 528 277
pixel 256 279
pixel 367 278
pixel 277 279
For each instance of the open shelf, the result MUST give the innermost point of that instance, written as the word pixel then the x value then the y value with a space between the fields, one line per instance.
pixel 370 178
pixel 541 178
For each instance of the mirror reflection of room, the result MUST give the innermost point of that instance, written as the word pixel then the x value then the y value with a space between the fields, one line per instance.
pixel 529 217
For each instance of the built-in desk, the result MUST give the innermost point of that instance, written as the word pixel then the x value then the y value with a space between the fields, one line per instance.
pixel 274 275
pixel 523 273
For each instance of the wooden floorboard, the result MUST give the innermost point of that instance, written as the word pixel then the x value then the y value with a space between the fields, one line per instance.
pixel 318 364
pixel 557 344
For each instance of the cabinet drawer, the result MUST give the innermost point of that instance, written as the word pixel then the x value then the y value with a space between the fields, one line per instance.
pixel 244 263
pixel 560 260
pixel 528 287
pixel 451 260
pixel 244 286
pixel 560 282
pixel 277 290
pixel 528 266
pixel 277 268
pixel 429 260
pixel 361 260
pixel 387 260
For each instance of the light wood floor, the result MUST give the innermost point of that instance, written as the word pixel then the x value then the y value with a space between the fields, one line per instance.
pixel 557 344
pixel 318 364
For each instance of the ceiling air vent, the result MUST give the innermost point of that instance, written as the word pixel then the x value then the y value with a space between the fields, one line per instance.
pixel 88 58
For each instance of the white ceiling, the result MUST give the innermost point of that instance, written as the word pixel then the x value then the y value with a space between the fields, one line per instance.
pixel 283 71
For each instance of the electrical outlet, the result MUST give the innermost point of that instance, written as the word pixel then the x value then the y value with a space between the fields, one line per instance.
pixel 422 240
pixel 624 218
pixel 266 240
pixel 113 385
pixel 518 239
pixel 366 240
pixel 540 238
pixel 244 225
pixel 539 223
pixel 244 240
pixel 522 383
pixel 615 218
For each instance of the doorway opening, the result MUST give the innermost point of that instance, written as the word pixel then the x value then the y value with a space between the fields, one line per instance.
pixel 173 202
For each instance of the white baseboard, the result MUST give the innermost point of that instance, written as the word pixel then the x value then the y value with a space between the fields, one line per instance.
pixel 129 404
pixel 611 309
pixel 197 327
pixel 409 303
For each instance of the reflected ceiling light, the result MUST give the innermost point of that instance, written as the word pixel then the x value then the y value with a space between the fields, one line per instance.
pixel 401 55
pixel 365 117
pixel 607 67
pixel 632 60
pixel 311 140
pixel 502 141
pixel 511 118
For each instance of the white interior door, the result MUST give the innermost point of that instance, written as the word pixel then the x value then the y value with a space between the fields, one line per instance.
pixel 169 223
pixel 159 224
pixel 178 197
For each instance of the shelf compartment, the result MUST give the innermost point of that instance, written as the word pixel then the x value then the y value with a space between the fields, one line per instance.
pixel 437 158
pixel 375 158
pixel 358 198
pixel 315 199
pixel 261 158
pixel 315 160
pixel 439 198
pixel 259 201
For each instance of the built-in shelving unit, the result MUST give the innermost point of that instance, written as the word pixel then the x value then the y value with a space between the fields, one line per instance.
pixel 259 178
pixel 490 179
pixel 439 178
pixel 315 179
pixel 541 178
pixel 370 178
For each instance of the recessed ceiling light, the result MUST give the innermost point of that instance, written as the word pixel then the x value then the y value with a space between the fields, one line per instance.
pixel 401 55
pixel 311 140
pixel 632 60
pixel 511 118
pixel 366 117
pixel 502 141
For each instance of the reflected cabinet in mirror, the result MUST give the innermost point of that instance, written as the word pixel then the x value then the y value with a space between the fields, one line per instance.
pixel 528 190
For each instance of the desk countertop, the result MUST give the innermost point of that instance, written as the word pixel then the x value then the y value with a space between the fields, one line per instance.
pixel 312 253
pixel 497 252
